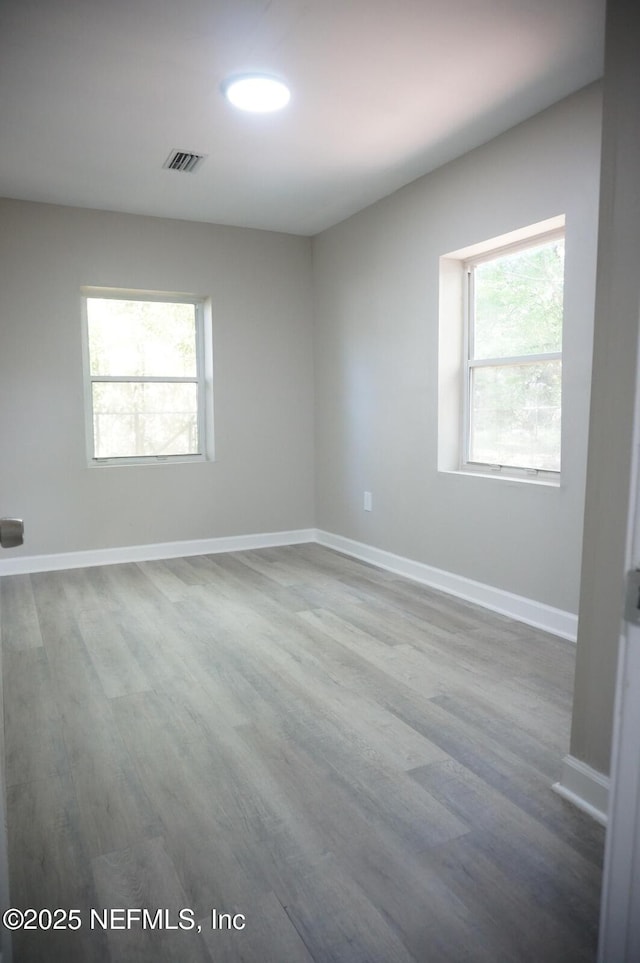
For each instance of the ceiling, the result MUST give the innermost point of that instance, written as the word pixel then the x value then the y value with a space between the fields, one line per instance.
pixel 94 94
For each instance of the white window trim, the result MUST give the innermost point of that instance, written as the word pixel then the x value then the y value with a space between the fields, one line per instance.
pixel 203 378
pixel 453 355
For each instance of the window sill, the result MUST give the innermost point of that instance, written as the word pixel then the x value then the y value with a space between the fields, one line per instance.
pixel 547 481
pixel 150 462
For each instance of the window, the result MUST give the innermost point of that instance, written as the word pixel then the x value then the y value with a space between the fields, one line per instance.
pixel 513 356
pixel 500 355
pixel 147 385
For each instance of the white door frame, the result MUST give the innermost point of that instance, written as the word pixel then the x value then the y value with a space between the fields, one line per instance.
pixel 620 909
pixel 620 912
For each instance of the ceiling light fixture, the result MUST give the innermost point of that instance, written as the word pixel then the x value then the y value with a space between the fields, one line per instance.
pixel 257 93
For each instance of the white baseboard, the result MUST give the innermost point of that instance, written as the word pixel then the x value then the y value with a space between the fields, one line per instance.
pixel 27 564
pixel 555 621
pixel 585 788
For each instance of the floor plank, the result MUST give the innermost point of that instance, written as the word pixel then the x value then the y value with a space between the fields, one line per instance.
pixel 50 869
pixel 142 877
pixel 19 626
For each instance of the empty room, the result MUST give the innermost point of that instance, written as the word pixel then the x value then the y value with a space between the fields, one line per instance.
pixel 318 345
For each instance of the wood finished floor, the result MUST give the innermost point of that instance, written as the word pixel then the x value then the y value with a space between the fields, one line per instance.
pixel 358 765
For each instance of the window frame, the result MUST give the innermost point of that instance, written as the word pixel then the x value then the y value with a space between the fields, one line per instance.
pixel 469 363
pixel 202 379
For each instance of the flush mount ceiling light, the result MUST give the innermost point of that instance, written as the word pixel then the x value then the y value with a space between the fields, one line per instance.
pixel 257 93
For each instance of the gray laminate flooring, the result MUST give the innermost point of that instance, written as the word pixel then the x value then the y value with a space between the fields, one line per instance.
pixel 355 768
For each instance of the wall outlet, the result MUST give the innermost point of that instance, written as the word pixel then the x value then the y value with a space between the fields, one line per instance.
pixel 368 502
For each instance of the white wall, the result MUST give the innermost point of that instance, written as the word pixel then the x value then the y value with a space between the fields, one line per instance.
pixel 260 284
pixel 376 359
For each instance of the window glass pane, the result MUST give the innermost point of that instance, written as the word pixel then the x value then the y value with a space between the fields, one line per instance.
pixel 515 415
pixel 518 302
pixel 138 419
pixel 141 338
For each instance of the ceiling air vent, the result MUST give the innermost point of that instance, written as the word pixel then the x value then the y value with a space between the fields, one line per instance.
pixel 183 160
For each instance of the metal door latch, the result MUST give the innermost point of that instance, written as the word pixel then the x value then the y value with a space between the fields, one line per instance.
pixel 632 600
pixel 11 532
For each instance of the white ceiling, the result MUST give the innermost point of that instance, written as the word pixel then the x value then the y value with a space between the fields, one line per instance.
pixel 94 94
